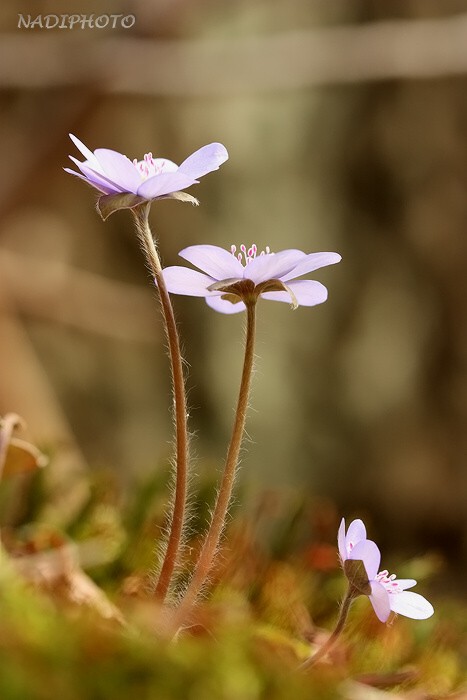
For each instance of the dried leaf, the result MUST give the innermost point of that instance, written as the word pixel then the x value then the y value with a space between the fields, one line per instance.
pixel 22 457
pixel 57 572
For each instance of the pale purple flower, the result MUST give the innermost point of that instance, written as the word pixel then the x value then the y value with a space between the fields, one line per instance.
pixel 346 541
pixel 229 279
pixel 386 592
pixel 113 173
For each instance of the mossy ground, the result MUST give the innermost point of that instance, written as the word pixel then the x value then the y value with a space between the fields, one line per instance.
pixel 270 604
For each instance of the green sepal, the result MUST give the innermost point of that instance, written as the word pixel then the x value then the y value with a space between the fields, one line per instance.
pixel 278 286
pixel 226 285
pixel 355 571
pixel 107 204
pixel 181 197
pixel 233 298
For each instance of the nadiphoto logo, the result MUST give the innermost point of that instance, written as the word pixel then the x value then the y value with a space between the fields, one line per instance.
pixel 76 21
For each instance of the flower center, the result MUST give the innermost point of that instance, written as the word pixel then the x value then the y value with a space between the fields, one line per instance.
pixel 149 166
pixel 389 581
pixel 246 256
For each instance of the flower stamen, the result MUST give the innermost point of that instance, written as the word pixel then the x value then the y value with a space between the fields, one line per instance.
pixel 148 167
pixel 247 256
pixel 389 581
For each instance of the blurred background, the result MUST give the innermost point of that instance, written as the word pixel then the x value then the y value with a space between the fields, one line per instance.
pixel 346 123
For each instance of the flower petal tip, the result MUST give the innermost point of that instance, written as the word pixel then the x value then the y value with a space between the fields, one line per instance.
pixel 112 173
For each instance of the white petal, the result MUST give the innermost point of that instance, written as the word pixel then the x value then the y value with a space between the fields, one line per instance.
pixel 369 554
pixel 164 183
pixel 341 541
pixel 205 160
pixel 214 261
pixel 119 169
pixel 89 155
pixel 379 599
pixel 225 306
pixel 183 280
pixel 97 179
pixel 306 293
pixel 164 165
pixel 404 583
pixel 273 266
pixel 312 262
pixel 356 532
pixel 411 605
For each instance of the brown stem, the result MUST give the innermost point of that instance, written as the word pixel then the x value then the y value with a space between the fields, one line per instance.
pixel 213 536
pixel 179 503
pixel 322 651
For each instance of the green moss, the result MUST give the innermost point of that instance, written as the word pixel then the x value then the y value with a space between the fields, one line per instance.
pixel 251 634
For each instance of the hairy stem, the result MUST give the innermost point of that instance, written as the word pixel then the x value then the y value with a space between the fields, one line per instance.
pixel 180 409
pixel 322 651
pixel 213 536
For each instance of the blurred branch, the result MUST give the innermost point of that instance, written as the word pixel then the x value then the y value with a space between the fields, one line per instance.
pixel 378 51
pixel 55 291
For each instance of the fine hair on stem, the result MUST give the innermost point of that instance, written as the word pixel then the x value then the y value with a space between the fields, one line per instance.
pixel 178 503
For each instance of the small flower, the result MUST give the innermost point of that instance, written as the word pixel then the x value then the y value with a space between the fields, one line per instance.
pixel 113 174
pixel 386 592
pixel 347 540
pixel 229 280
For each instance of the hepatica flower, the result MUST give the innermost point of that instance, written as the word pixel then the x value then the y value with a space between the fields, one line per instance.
pixel 131 182
pixel 386 592
pixel 231 279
